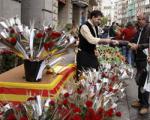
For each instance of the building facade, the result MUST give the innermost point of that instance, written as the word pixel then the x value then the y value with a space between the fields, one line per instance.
pixel 43 12
pixel 127 10
pixel 118 11
pixel 124 12
pixel 107 8
pixel 131 11
pixel 14 8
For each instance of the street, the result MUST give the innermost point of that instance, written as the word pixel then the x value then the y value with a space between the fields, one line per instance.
pixel 130 113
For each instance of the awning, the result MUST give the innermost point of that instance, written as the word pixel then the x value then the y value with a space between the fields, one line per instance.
pixel 81 3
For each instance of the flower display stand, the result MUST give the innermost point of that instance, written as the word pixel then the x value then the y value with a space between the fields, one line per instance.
pixel 14 88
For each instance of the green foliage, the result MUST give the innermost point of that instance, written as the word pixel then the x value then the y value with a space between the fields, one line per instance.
pixel 104 21
pixel 109 55
pixel 9 61
pixel 68 27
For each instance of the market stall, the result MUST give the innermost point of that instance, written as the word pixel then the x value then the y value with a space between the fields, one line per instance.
pixel 93 97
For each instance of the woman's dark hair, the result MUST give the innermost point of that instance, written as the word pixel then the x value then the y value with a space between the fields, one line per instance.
pixel 113 23
pixel 96 13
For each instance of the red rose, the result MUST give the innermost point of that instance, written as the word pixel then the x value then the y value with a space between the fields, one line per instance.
pixel 66 95
pixel 89 103
pixel 52 102
pixel 11 117
pixel 118 114
pixel 90 114
pixel 39 35
pixel 115 90
pixel 101 110
pixel 49 29
pixel 46 46
pixel 99 81
pixel 76 117
pixel 109 112
pixel 59 107
pixel 54 35
pixel 13 40
pixel 12 31
pixel 79 91
pixel 114 78
pixel 49 45
pixel 65 102
pixel 76 110
pixel 104 75
pixel 99 117
pixel 72 105
pixel 110 89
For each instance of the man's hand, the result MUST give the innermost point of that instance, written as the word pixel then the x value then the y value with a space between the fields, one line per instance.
pixel 130 44
pixel 133 46
pixel 109 41
pixel 115 42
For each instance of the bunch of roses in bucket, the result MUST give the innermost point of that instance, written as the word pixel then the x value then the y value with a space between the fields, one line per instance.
pixel 37 47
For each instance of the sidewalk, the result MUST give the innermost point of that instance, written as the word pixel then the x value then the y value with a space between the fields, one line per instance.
pixel 130 113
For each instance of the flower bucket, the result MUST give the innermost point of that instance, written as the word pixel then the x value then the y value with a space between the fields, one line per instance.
pixel 31 70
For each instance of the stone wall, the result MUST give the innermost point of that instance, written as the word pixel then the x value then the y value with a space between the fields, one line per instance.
pixel 9 8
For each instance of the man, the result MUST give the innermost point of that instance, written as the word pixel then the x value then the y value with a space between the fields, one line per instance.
pixel 88 38
pixel 141 38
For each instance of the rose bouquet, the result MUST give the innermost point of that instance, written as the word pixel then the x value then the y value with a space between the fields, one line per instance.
pixel 38 47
